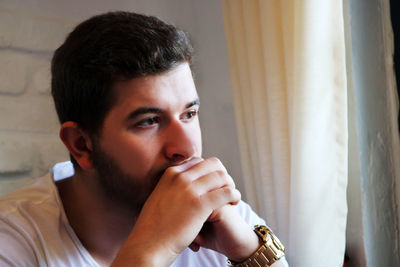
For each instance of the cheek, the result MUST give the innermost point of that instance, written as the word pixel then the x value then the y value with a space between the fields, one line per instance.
pixel 132 153
pixel 139 152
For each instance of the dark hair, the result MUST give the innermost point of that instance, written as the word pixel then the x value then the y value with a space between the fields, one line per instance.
pixel 105 49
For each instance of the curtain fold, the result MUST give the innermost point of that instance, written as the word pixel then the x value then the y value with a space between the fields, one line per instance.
pixel 287 63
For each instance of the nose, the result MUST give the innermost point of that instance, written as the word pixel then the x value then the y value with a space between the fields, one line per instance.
pixel 180 143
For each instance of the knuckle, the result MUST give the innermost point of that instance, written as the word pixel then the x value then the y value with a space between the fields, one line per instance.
pixel 228 190
pixel 221 173
pixel 183 179
pixel 195 200
pixel 215 160
pixel 218 163
pixel 224 178
pixel 171 171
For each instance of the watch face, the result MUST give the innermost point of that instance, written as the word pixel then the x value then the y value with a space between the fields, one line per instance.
pixel 262 231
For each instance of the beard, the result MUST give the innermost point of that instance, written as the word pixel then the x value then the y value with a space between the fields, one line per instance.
pixel 121 188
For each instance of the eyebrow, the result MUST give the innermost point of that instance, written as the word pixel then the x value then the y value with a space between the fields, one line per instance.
pixel 146 110
pixel 193 103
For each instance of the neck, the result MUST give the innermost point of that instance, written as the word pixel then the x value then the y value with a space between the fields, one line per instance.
pixel 101 225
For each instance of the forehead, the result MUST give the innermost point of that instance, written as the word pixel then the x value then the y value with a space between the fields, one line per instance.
pixel 174 88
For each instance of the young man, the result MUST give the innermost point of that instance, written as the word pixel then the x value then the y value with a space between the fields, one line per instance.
pixel 138 192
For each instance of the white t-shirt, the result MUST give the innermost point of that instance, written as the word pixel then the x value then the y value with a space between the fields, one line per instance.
pixel 34 230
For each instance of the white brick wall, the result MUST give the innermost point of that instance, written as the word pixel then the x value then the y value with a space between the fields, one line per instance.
pixel 29 143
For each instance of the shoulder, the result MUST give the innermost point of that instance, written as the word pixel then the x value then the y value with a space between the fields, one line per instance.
pixel 19 212
pixel 37 200
pixel 15 248
pixel 40 192
pixel 34 230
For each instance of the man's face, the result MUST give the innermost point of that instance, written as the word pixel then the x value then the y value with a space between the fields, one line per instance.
pixel 153 125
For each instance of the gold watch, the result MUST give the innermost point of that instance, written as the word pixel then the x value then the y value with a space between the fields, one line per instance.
pixel 271 251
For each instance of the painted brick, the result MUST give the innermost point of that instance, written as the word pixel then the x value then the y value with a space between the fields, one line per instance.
pixel 12 72
pixel 27 156
pixel 28 113
pixel 38 77
pixel 49 151
pixel 34 32
pixel 15 157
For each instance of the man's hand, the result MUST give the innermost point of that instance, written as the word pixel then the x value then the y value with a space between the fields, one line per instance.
pixel 226 232
pixel 185 198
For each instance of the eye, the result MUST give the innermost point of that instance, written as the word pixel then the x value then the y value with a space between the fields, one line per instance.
pixel 148 122
pixel 190 114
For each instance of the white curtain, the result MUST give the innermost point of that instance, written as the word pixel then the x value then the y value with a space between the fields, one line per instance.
pixel 287 63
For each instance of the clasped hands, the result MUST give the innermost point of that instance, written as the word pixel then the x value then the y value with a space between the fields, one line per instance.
pixel 191 206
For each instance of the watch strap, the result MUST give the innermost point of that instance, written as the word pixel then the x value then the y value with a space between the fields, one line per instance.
pixel 269 252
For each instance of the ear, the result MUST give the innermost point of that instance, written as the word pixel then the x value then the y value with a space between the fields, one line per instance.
pixel 78 143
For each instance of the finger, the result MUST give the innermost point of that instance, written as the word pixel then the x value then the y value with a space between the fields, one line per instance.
pixel 188 164
pixel 205 167
pixel 178 170
pixel 198 167
pixel 220 197
pixel 212 181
